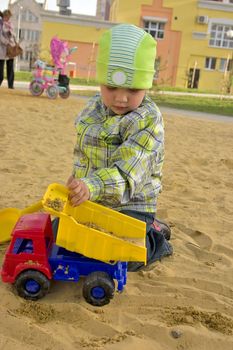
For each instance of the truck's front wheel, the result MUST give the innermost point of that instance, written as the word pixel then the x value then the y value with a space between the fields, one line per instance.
pixel 32 285
pixel 98 288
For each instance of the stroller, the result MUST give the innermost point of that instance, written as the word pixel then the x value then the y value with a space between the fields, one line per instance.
pixel 52 78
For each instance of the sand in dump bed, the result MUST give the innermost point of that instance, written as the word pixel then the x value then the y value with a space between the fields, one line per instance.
pixel 184 302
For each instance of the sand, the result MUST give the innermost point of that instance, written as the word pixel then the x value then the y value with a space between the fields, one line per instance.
pixel 184 302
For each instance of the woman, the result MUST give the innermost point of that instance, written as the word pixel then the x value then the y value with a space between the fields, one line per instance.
pixel 6 37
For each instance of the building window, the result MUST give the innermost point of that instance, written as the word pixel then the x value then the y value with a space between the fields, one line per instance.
pixel 219 37
pixel 31 35
pixel 210 63
pixel 156 29
pixel 28 16
pixel 28 55
pixel 225 65
pixel 21 34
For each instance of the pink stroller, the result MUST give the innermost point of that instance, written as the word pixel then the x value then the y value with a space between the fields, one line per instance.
pixel 52 79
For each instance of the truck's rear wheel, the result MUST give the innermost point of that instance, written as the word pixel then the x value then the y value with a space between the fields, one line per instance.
pixel 32 285
pixel 98 288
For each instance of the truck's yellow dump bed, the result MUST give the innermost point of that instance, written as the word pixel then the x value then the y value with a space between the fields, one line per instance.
pixel 94 230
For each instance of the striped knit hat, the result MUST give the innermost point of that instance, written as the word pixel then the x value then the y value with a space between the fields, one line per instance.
pixel 126 57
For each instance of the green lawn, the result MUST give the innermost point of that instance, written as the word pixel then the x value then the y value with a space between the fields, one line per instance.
pixel 27 76
pixel 194 103
pixel 23 76
pixel 190 103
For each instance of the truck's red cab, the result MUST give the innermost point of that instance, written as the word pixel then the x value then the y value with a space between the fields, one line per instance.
pixel 32 240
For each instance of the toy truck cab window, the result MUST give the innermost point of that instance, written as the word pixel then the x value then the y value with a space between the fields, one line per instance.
pixel 22 245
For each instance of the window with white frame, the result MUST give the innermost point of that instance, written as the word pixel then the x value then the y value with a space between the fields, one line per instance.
pixel 210 63
pixel 156 29
pixel 219 37
pixel 28 16
pixel 31 35
pixel 28 55
pixel 225 64
pixel 22 34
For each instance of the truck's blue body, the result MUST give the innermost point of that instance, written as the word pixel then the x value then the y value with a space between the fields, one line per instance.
pixel 68 266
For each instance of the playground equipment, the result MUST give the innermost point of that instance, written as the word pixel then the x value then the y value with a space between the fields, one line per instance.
pixel 52 78
pixel 92 241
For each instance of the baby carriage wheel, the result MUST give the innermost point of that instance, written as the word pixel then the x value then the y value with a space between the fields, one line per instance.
pixel 36 88
pixel 52 92
pixel 65 92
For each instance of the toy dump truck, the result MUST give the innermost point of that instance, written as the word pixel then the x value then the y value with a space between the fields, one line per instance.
pixel 92 241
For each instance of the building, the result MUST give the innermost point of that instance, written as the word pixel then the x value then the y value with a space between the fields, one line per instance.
pixel 32 19
pixel 103 9
pixel 194 48
pixel 80 31
pixel 26 20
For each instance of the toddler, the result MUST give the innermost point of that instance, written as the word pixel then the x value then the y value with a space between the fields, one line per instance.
pixel 118 156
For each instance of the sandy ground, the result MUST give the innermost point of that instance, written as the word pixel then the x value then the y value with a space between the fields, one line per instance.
pixel 184 302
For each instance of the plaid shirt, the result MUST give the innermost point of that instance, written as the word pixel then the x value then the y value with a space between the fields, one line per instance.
pixel 120 157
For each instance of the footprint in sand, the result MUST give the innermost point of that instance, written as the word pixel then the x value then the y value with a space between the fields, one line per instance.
pixel 209 258
pixel 227 162
pixel 204 249
pixel 218 248
pixel 199 237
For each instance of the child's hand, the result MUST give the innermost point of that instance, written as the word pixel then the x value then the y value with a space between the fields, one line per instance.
pixel 79 192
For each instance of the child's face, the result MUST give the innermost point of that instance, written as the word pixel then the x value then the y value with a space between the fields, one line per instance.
pixel 121 100
pixel 6 18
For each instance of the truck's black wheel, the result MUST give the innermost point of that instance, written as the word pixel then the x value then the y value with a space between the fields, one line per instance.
pixel 32 285
pixel 98 288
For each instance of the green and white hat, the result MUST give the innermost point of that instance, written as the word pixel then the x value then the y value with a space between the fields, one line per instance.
pixel 126 57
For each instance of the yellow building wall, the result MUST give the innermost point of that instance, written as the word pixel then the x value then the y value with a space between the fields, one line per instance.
pixel 196 50
pixel 84 37
pixel 183 21
pixel 191 50
pixel 127 11
pixel 69 32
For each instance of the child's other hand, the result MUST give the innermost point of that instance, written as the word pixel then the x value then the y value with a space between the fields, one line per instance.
pixel 79 192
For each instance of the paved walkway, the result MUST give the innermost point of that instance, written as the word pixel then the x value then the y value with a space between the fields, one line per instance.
pixel 171 112
pixel 23 84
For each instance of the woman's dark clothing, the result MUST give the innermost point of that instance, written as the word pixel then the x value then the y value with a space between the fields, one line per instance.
pixel 9 72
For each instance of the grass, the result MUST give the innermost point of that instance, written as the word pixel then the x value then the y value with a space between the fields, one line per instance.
pixel 180 89
pixel 27 76
pixel 23 76
pixel 193 103
pixel 214 105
